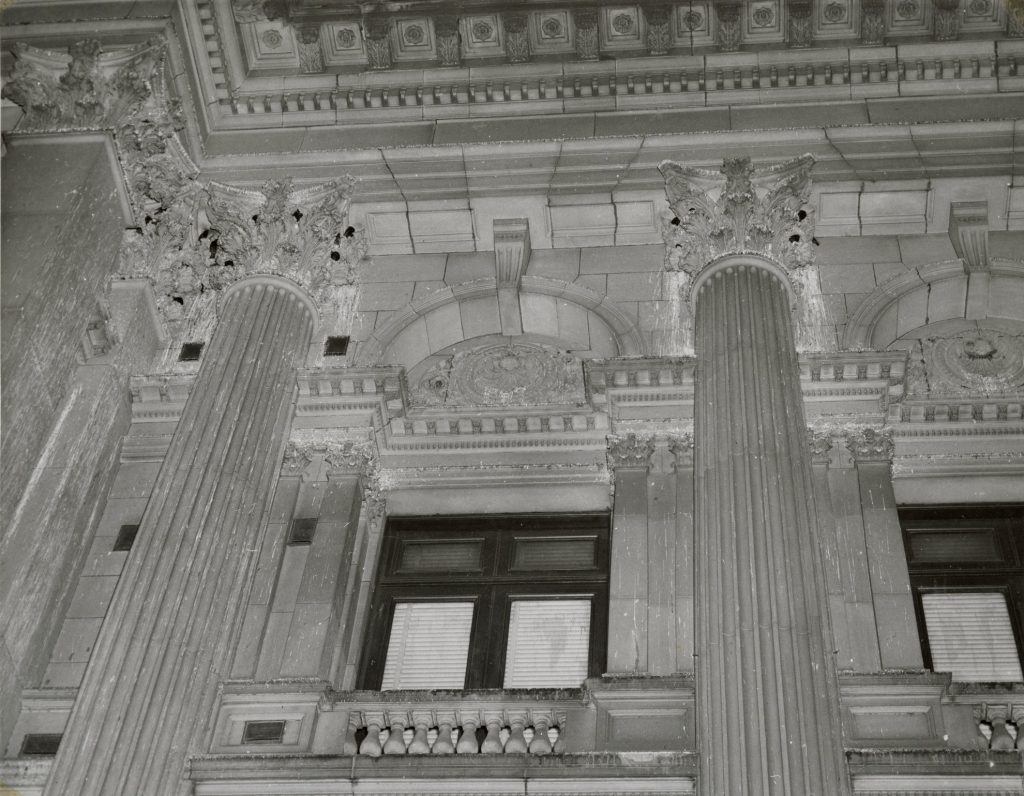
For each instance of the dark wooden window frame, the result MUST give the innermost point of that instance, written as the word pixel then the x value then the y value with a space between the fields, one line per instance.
pixel 1005 576
pixel 492 588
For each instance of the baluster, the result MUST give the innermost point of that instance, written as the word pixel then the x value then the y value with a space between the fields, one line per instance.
pixel 421 721
pixel 978 716
pixel 492 743
pixel 467 741
pixel 395 744
pixel 371 743
pixel 348 746
pixel 541 744
pixel 516 743
pixel 1001 739
pixel 443 745
pixel 557 744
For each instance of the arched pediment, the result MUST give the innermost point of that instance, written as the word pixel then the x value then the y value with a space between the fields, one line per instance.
pixel 566 316
pixel 937 292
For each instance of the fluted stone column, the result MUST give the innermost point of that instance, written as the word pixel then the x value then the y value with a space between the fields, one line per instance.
pixel 766 694
pixel 169 635
pixel 768 717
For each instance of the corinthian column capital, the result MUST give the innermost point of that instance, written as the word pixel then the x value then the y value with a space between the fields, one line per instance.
pixel 83 89
pixel 739 210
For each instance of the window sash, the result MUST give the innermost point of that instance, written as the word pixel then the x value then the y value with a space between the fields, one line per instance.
pixel 970 635
pixel 548 643
pixel 428 646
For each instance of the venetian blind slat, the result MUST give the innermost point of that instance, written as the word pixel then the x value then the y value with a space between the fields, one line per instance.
pixel 429 645
pixel 970 636
pixel 548 644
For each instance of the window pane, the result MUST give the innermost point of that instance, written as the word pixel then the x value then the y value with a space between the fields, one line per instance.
pixel 429 645
pixel 954 547
pixel 548 644
pixel 558 553
pixel 970 635
pixel 441 556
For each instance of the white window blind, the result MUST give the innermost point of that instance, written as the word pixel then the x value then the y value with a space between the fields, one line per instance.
pixel 970 635
pixel 548 644
pixel 429 645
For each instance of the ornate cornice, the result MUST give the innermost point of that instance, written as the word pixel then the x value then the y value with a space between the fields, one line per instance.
pixel 739 210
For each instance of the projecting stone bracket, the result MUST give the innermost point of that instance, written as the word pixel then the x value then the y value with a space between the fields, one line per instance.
pixel 511 257
pixel 968 232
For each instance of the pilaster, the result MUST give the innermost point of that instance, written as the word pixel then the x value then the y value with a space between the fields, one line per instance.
pixel 898 641
pixel 629 457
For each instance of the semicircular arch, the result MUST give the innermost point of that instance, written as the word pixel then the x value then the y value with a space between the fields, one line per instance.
pixel 933 293
pixel 580 320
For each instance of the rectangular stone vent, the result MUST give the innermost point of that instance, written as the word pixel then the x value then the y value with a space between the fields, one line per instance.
pixel 40 744
pixel 302 530
pixel 125 538
pixel 336 347
pixel 263 732
pixel 190 352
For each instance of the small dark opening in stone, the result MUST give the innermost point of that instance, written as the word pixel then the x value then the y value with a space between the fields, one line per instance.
pixel 263 732
pixel 336 346
pixel 676 222
pixel 125 538
pixel 40 743
pixel 335 256
pixel 815 241
pixel 229 263
pixel 350 231
pixel 190 352
pixel 178 300
pixel 302 531
pixel 802 215
pixel 204 234
pixel 297 215
pixel 256 218
pixel 794 238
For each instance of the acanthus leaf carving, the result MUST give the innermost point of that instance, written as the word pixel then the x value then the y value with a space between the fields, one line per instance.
pixel 868 444
pixel 630 451
pixel 86 89
pixel 681 447
pixel 739 210
pixel 300 234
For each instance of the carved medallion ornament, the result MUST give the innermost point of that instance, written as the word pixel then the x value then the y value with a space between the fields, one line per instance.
pixel 739 210
pixel 512 374
pixel 977 361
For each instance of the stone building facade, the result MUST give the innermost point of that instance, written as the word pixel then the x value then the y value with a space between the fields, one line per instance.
pixel 512 398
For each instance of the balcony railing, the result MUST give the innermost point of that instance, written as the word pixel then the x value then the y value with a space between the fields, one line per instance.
pixel 422 728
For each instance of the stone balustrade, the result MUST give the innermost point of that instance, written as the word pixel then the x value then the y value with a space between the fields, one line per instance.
pixel 999 720
pixel 441 728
